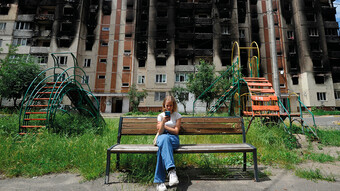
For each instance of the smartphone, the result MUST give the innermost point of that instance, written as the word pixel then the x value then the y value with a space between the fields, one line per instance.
pixel 167 113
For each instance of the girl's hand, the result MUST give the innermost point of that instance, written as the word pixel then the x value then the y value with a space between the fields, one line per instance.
pixel 166 118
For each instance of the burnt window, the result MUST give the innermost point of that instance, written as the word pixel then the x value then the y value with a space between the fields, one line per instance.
pixel 183 45
pixel 182 62
pixel 46 44
pixel 295 80
pixel 68 11
pixel 4 10
pixel 66 27
pixel 129 16
pixel 292 49
pixel 315 47
pixel 310 17
pixel 141 63
pixel 317 63
pixel 225 61
pixel 162 13
pixel 331 31
pixel 319 79
pixel 160 62
pixel 309 3
pixel 161 44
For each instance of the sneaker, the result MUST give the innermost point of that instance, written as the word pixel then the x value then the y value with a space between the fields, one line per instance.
pixel 173 179
pixel 161 187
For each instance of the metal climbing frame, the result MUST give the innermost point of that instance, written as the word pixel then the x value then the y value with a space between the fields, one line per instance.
pixel 46 92
pixel 253 96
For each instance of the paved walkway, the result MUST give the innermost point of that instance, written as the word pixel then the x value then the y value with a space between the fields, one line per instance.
pixel 280 180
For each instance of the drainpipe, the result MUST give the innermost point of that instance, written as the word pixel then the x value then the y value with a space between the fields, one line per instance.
pixel 273 54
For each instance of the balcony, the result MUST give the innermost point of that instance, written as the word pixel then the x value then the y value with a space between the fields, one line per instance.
pixel 162 20
pixel 161 35
pixel 225 53
pixel 224 20
pixel 328 10
pixel 207 6
pixel 46 33
pixel 44 18
pixel 204 36
pixel 186 5
pixel 334 54
pixel 203 21
pixel 161 4
pixel 225 37
pixel 333 39
pixel 25 18
pixel 39 50
pixel 161 52
pixel 184 36
pixel 203 52
pixel 23 33
pixel 184 21
pixel 223 6
pixel 331 24
pixel 188 52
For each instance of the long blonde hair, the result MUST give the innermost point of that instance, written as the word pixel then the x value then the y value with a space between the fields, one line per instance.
pixel 173 100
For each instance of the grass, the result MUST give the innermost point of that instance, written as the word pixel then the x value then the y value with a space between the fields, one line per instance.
pixel 314 175
pixel 317 111
pixel 319 157
pixel 80 148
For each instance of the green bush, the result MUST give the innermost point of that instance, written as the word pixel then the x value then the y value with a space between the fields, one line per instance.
pixel 75 124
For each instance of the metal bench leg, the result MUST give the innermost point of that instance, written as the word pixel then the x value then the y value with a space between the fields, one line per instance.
pixel 255 166
pixel 117 161
pixel 108 161
pixel 244 161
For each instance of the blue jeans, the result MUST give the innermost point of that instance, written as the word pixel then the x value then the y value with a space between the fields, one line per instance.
pixel 165 159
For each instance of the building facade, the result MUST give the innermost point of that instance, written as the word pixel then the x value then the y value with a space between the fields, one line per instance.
pixel 156 44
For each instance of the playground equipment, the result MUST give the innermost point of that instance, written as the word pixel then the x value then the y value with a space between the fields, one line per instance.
pixel 254 96
pixel 44 96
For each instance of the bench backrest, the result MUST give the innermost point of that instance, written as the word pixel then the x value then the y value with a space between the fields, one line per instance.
pixel 189 126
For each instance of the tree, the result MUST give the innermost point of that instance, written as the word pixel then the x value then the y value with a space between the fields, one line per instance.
pixel 135 97
pixel 201 80
pixel 181 95
pixel 16 74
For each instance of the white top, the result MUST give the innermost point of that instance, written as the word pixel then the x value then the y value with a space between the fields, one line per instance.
pixel 173 118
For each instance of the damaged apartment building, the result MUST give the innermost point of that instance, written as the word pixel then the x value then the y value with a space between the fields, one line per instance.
pixel 156 44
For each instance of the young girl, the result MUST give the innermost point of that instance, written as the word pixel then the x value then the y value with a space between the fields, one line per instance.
pixel 168 128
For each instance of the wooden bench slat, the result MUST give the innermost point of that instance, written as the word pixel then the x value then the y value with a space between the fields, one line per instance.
pixel 140 120
pixel 196 131
pixel 209 125
pixel 183 125
pixel 139 131
pixel 210 120
pixel 139 126
pixel 185 120
pixel 210 131
pixel 183 148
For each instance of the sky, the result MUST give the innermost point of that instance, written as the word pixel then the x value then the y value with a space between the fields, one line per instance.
pixel 337 5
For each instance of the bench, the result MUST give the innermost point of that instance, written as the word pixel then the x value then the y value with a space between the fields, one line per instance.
pixel 189 126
